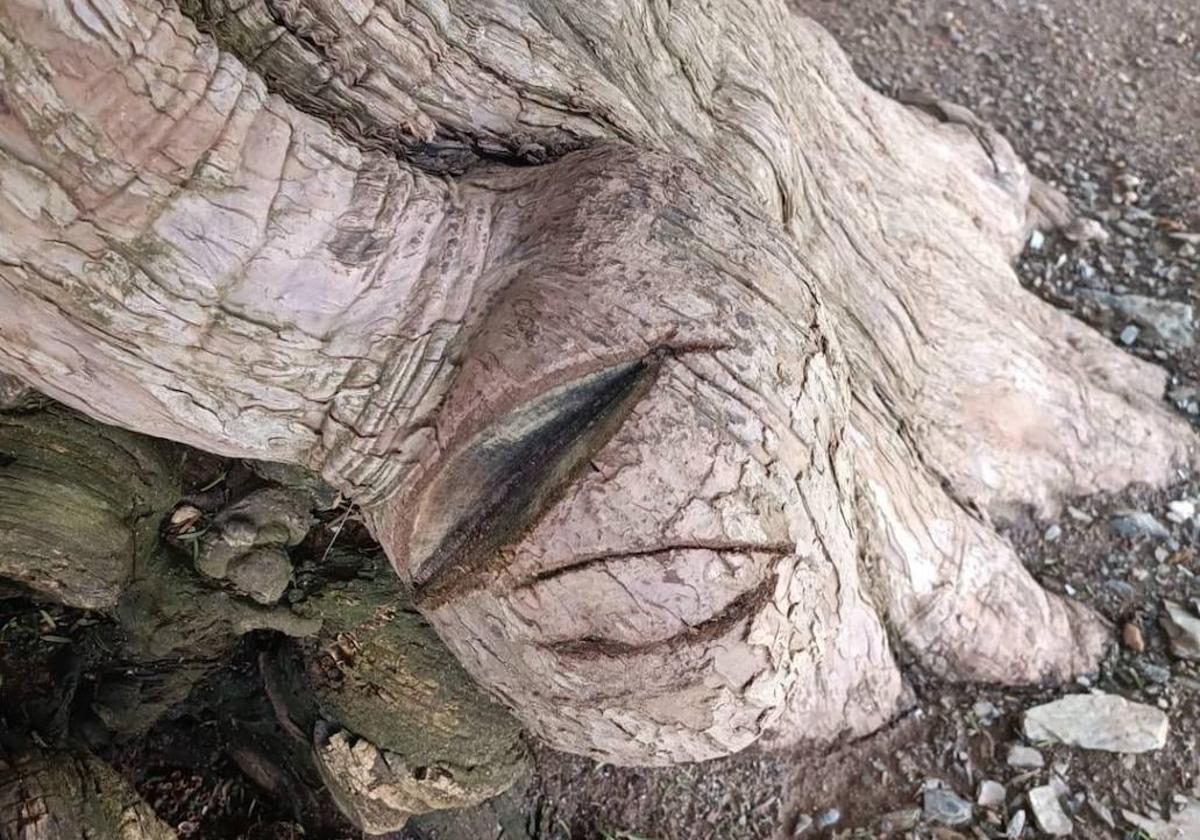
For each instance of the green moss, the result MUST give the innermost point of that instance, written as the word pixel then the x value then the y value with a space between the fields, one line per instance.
pixel 71 795
pixel 378 670
pixel 80 504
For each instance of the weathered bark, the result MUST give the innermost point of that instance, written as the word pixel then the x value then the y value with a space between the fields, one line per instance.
pixel 16 395
pixel 71 796
pixel 81 506
pixel 662 432
pixel 175 631
pixel 397 727
pixel 80 503
pixel 373 679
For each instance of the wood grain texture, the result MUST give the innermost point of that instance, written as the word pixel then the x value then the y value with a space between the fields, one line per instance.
pixel 80 505
pixel 308 231
pixel 71 796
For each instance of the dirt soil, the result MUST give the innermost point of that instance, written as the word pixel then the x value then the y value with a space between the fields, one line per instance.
pixel 1102 98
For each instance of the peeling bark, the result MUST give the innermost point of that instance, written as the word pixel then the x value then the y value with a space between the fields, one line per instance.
pixel 80 505
pixel 754 350
pixel 65 796
pixel 397 727
pixel 371 675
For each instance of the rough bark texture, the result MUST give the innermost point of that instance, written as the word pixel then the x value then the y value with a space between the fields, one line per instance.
pixel 80 504
pixel 398 728
pixel 392 724
pixel 71 796
pixel 16 394
pixel 663 432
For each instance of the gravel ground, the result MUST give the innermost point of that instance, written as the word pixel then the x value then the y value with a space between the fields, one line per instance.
pixel 1084 89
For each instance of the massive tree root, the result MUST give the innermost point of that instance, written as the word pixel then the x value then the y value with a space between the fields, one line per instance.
pixel 663 430
pixel 355 703
pixel 397 727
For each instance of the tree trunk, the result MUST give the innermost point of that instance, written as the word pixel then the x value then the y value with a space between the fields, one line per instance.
pixel 397 726
pixel 392 725
pixel 669 362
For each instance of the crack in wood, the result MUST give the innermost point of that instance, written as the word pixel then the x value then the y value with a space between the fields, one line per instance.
pixel 740 609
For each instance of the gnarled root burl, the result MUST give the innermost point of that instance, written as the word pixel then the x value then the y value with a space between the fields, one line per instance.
pixel 664 430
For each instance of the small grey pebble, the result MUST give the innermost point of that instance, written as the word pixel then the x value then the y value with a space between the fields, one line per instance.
pixel 829 818
pixel 903 820
pixel 1155 673
pixel 1138 523
pixel 1025 757
pixel 991 794
pixel 986 712
pixel 946 807
pixel 1122 588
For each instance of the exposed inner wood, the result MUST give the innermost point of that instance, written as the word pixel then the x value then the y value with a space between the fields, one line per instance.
pixel 499 483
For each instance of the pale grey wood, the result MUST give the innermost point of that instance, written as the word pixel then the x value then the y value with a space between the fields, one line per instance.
pixel 299 233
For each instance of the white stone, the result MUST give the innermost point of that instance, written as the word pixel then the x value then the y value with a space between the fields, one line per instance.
pixel 991 794
pixel 1183 630
pixel 1025 758
pixel 1047 811
pixel 1181 510
pixel 1170 323
pixel 1183 826
pixel 1098 722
